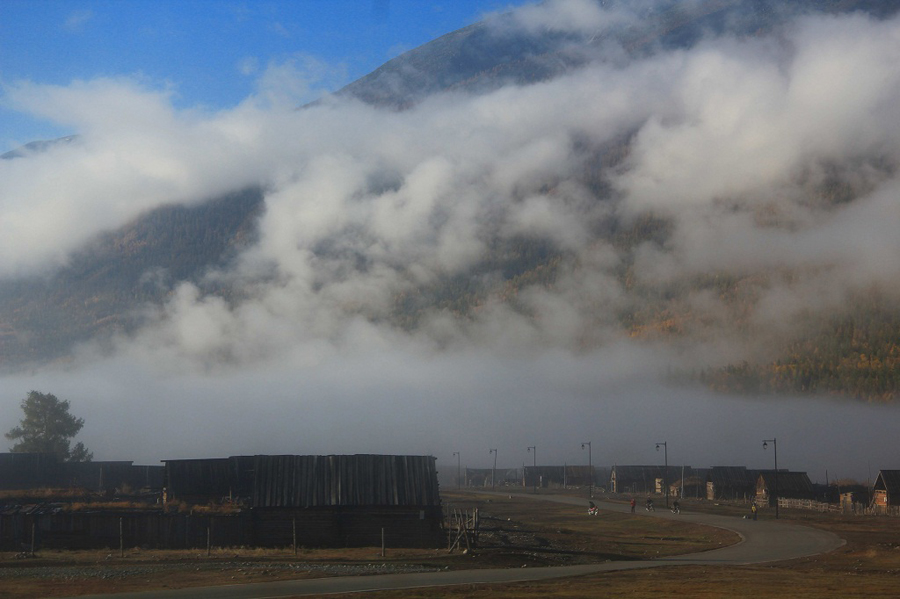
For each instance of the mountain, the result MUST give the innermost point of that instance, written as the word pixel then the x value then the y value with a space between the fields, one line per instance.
pixel 116 284
pixel 485 57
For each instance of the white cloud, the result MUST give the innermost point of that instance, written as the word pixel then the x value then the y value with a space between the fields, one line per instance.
pixel 77 20
pixel 736 141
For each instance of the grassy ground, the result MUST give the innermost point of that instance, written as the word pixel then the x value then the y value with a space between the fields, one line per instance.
pixel 516 532
pixel 867 566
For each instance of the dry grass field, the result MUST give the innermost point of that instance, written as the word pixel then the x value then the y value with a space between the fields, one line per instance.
pixel 516 531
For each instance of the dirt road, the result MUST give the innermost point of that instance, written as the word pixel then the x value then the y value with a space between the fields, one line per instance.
pixel 762 541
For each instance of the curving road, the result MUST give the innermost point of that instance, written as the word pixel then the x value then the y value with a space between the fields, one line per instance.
pixel 762 541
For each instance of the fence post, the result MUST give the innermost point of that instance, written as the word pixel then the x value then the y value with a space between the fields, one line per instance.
pixel 382 542
pixel 294 530
pixel 121 539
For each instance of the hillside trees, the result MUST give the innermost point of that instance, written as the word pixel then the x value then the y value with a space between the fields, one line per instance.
pixel 48 427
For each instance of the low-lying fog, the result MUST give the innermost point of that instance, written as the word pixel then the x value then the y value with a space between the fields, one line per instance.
pixel 726 140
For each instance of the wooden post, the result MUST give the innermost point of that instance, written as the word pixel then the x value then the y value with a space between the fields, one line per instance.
pixel 382 542
pixel 121 539
pixel 32 535
pixel 207 538
pixel 294 526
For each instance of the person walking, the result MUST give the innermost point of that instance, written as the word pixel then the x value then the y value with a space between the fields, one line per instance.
pixel 633 503
pixel 753 509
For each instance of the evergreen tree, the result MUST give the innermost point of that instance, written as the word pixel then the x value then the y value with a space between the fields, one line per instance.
pixel 48 427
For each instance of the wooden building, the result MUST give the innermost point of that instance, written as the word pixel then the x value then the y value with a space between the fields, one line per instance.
pixel 692 484
pixel 335 500
pixel 557 476
pixel 644 480
pixel 886 490
pixel 790 485
pixel 23 471
pixel 481 477
pixel 731 483
pixel 27 471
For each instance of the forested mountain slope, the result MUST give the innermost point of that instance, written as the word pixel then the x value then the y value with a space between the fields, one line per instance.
pixel 624 273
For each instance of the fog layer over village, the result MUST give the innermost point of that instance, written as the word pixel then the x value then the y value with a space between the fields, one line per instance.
pixel 364 205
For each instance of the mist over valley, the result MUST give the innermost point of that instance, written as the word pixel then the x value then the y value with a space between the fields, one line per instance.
pixel 618 222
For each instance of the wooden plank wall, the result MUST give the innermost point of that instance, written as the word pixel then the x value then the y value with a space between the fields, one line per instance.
pixel 320 527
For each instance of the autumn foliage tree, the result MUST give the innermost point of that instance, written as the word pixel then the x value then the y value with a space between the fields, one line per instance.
pixel 48 427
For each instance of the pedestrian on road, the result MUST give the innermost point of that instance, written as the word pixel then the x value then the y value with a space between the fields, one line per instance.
pixel 753 509
pixel 632 505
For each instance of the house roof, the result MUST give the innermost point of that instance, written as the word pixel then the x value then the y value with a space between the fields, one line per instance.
pixel 732 476
pixel 788 482
pixel 888 480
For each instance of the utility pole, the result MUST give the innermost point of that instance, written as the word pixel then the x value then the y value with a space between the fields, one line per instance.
pixel 494 470
pixel 775 450
pixel 458 480
pixel 533 450
pixel 590 469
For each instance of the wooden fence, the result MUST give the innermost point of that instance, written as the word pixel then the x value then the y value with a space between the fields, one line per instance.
pixel 855 508
pixel 256 528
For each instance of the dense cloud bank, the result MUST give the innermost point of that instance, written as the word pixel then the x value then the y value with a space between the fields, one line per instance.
pixel 772 154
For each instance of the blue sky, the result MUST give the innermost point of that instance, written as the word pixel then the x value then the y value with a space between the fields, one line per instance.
pixel 181 102
pixel 211 53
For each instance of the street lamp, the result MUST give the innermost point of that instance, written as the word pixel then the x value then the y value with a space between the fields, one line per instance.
pixel 775 449
pixel 458 480
pixel 494 470
pixel 590 469
pixel 666 471
pixel 534 474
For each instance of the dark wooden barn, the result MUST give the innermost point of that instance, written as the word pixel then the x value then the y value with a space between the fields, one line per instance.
pixel 644 480
pixel 481 477
pixel 22 471
pixel 557 476
pixel 336 500
pixel 791 485
pixel 26 471
pixel 731 483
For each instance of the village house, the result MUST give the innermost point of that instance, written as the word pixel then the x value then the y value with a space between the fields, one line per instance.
pixel 482 477
pixel 886 491
pixel 790 485
pixel 558 476
pixel 731 483
pixel 643 480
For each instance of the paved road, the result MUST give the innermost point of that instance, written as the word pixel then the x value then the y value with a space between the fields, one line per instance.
pixel 762 541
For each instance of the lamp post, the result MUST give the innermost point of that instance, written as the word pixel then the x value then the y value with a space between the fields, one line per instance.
pixel 590 470
pixel 458 480
pixel 775 450
pixel 494 470
pixel 533 450
pixel 666 471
